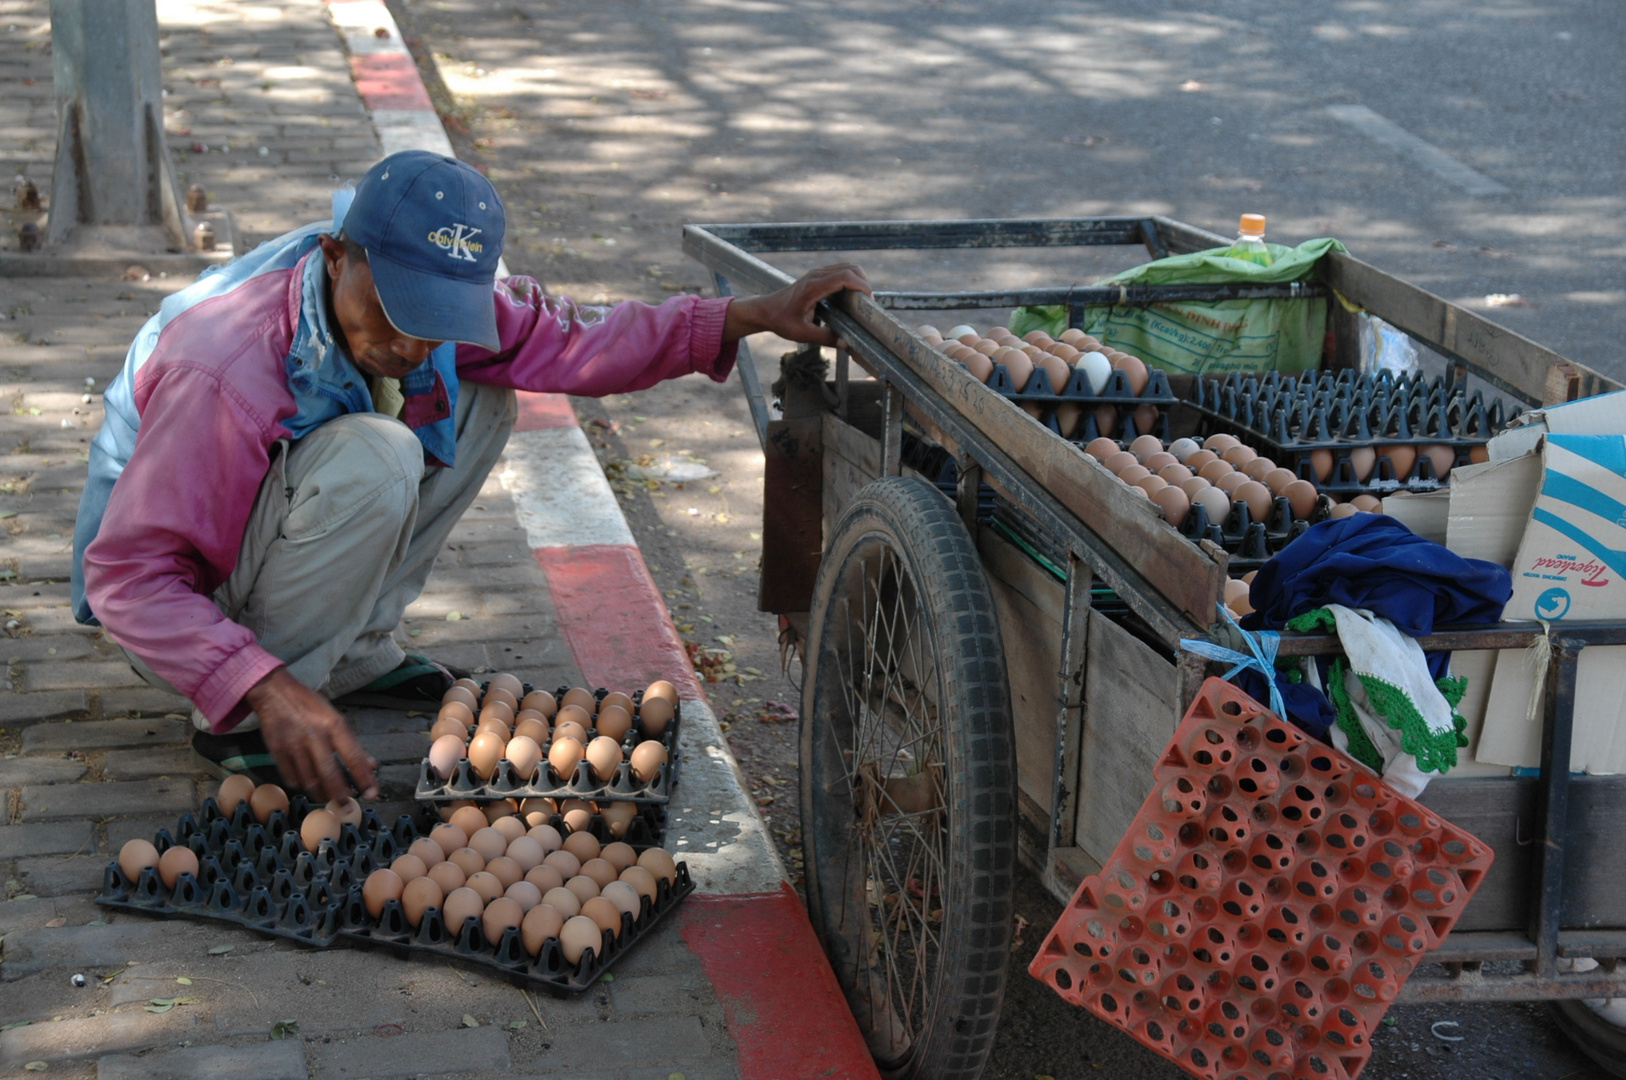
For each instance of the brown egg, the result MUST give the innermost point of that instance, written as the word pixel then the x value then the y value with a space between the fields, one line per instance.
pixel 641 879
pixel 429 850
pixel 498 808
pixel 456 712
pixel 613 722
pixel 1145 446
pixel 1068 354
pixel 581 697
pixel 1174 503
pixel 527 852
pixel 235 789
pixel 448 875
pixel 1054 367
pixel 1133 474
pixel 497 725
pixel 267 800
pixel 468 860
pixel 505 681
pixel 1151 484
pixel 1249 576
pixel 571 723
pixel 547 836
pixel 500 697
pixel 1256 468
pixel 601 871
pixel 525 755
pixel 618 815
pixel 1162 460
pixel 408 867
pixel 1017 364
pixel 444 754
pixel 1067 417
pixel 1478 454
pixel 979 365
pixel 1072 336
pixel 545 878
pixel 418 896
pixel 564 862
pixel 1198 458
pixel 486 884
pixel 449 837
pixel 583 845
pixel 471 819
pixel 1440 458
pixel 460 906
pixel 542 702
pixel 579 936
pixel 583 886
pixel 1214 470
pixel 484 752
pixel 654 715
pixel 383 885
pixel 499 915
pixel 532 726
pixel 472 686
pixel 1219 443
pixel 646 760
pixel 563 757
pixel 1134 370
pixel 1362 459
pixel 1146 417
pixel 1236 596
pixel 1321 464
pixel 460 695
pixel 348 812
pixel 1216 502
pixel 604 913
pixel 1101 449
pixel 1231 481
pixel 1402 457
pixel 180 859
pixel 1301 495
pixel 489 842
pixel 540 923
pixel 604 754
pixel 1257 496
pixel 563 900
pixel 505 870
pixel 578 819
pixel 658 862
pixel 618 699
pixel 1238 455
pixel 624 897
pixel 1192 485
pixel 1344 510
pixel 1119 460
pixel 619 855
pixel 445 810
pixel 1367 503
pixel 523 893
pixel 1277 480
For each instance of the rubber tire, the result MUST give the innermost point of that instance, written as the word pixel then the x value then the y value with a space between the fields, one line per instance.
pixel 1598 1039
pixel 920 525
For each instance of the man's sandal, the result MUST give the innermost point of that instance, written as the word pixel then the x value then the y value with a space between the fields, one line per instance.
pixel 236 753
pixel 416 683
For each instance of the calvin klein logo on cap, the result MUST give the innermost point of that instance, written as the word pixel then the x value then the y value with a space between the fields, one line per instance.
pixel 457 240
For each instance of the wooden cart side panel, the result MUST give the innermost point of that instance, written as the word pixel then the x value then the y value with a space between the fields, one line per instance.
pixel 1131 708
pixel 851 461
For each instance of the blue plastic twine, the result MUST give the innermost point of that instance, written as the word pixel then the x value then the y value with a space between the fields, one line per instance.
pixel 1262 645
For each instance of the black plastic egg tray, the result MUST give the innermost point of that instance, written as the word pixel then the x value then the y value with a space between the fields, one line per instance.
pixel 467 946
pixel 505 782
pixel 1252 543
pixel 1039 391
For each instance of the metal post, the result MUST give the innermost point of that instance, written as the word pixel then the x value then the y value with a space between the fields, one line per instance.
pixel 112 167
pixel 1552 804
pixel 1070 706
pixel 968 492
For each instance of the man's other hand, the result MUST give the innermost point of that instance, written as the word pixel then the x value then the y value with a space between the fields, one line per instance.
pixel 789 311
pixel 303 731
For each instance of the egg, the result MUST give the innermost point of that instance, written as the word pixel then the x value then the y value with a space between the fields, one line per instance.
pixel 471 819
pixel 563 757
pixel 382 886
pixel 1055 368
pixel 525 894
pixel 1192 486
pixel 527 852
pixel 1174 503
pixel 1277 480
pixel 500 915
pixel 617 816
pixel 1220 442
pixel 1119 460
pixel 444 754
pixel 1344 510
pixel 468 860
pixel 583 845
pixel 427 849
pixel 547 836
pixel 445 810
pixel 642 880
pixel 461 695
pixel 1197 459
pixel 619 855
pixel 1217 504
pixel 660 863
pixel 319 825
pixel 448 875
pixel 1402 457
pixel 1097 368
pixel 1257 469
pixel 1214 470
pixel 505 870
pixel 1238 456
pixel 613 722
pixel 235 789
pixel 1367 503
pixel 579 936
pixel 450 837
pixel 484 752
pixel 1478 454
pixel 496 723
pixel 498 808
pixel 1175 474
pixel 986 346
pixel 604 754
pixel 469 684
pixel 564 862
pixel 624 897
pixel 460 906
pixel 500 697
pixel 1236 596
pixel 653 716
pixel 419 896
pixel 1071 335
pixel 571 723
pixel 1146 417
pixel 1301 496
pixel 408 867
pixel 532 726
pixel 180 859
pixel 602 871
pixel 1151 484
pixel 486 884
pixel 457 713
pixel 647 758
pixel 1067 417
pixel 1231 481
pixel 1133 474
pixel 604 913
pixel 580 697
pixel 1183 448
pixel 545 878
pixel 1134 370
pixel 489 842
pixel 979 365
pixel 525 755
pixel 1101 449
pixel 1161 460
pixel 563 900
pixel 1440 459
pixel 583 886
pixel 1362 459
pixel 267 800
pixel 1145 446
pixel 348 812
pixel 1017 364
pixel 506 681
pixel 1249 576
pixel 1257 496
pixel 542 702
pixel 1321 464
pixel 540 923
pixel 1068 354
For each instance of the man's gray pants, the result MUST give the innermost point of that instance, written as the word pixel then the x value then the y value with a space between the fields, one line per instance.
pixel 343 536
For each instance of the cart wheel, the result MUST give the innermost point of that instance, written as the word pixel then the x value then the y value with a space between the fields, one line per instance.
pixel 1603 1042
pixel 908 782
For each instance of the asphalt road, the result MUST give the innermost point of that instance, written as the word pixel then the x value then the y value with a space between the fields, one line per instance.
pixel 607 124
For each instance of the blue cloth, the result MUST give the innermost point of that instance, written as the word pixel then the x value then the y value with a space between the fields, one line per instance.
pixel 1305 707
pixel 1374 562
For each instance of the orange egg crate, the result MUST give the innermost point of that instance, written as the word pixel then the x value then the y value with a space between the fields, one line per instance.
pixel 1266 905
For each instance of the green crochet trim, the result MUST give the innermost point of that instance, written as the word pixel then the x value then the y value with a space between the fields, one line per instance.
pixel 1360 745
pixel 1435 751
pixel 1316 619
pixel 1453 688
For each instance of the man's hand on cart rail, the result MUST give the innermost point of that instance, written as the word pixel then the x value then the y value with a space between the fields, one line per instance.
pixel 303 731
pixel 789 311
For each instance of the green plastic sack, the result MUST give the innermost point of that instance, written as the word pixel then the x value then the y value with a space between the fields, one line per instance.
pixel 1212 336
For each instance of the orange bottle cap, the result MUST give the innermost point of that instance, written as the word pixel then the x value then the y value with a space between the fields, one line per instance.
pixel 1252 225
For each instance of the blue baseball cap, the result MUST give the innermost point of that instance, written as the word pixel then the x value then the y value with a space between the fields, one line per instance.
pixel 433 230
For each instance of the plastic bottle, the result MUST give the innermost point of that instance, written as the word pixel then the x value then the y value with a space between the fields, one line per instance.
pixel 1250 241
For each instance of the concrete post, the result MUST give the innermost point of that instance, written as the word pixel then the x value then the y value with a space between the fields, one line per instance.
pixel 112 166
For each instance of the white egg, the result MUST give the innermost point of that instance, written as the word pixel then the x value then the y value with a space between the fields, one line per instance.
pixel 957 332
pixel 1098 368
pixel 1183 448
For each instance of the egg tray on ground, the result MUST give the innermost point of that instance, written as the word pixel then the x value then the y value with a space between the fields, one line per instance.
pixel 505 782
pixel 1077 392
pixel 259 876
pixel 507 958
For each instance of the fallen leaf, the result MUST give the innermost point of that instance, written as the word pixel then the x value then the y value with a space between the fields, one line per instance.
pixel 36 1066
pixel 469 1021
pixel 454 616
pixel 14 1024
pixel 60 920
pixel 221 950
pixel 284 1028
pixel 183 980
pixel 515 1025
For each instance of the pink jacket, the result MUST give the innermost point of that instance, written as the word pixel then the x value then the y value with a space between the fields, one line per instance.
pixel 212 398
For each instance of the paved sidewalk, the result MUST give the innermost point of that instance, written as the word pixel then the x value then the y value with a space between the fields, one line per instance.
pixel 262 109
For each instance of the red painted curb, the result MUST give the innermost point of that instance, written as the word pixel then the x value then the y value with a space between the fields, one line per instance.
pixel 614 619
pixel 389 81
pixel 784 1008
pixel 538 412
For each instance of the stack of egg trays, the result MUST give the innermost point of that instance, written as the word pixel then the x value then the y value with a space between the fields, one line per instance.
pixel 1252 543
pixel 505 783
pixel 1265 906
pixel 1078 392
pixel 260 877
pixel 507 958
pixel 1289 416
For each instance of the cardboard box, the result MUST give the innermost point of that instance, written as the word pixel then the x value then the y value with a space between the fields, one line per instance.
pixel 1572 559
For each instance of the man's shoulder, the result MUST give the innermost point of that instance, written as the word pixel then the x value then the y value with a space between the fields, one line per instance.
pixel 255 318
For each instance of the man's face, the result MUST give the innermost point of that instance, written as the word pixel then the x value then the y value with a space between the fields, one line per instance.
pixel 375 346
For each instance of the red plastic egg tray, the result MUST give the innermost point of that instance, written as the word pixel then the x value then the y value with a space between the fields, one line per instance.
pixel 1266 905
